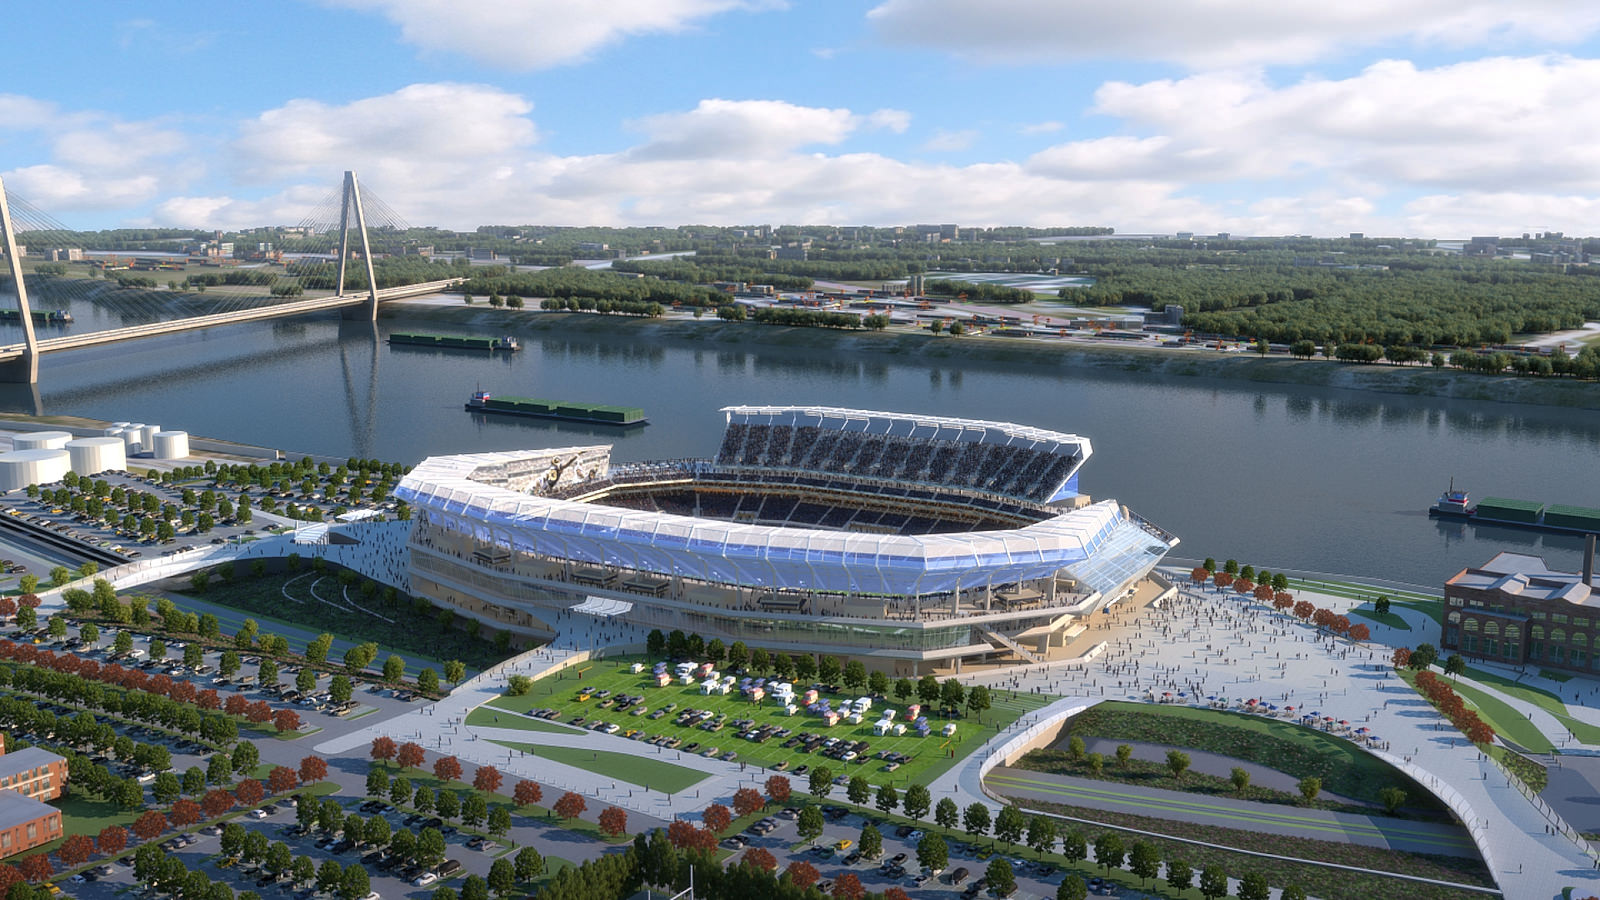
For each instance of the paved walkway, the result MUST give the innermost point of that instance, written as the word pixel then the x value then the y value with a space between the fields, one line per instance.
pixel 1213 644
pixel 1226 812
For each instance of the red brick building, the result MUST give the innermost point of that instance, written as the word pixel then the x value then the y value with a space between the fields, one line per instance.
pixel 28 778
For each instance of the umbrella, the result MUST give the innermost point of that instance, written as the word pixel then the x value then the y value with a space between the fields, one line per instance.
pixel 1344 722
pixel 1272 706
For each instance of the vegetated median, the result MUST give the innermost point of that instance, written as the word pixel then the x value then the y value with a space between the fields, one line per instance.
pixel 1013 353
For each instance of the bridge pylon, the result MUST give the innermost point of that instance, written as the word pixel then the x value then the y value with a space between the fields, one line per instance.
pixel 25 368
pixel 352 201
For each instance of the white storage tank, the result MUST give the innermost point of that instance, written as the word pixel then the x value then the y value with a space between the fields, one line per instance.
pixel 20 468
pixel 147 436
pixel 40 440
pixel 93 455
pixel 111 430
pixel 172 444
pixel 130 437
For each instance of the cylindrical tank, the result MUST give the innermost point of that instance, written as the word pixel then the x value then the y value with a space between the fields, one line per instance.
pixel 93 455
pixel 120 424
pixel 171 444
pixel 40 440
pixel 20 468
pixel 111 430
pixel 147 436
pixel 130 437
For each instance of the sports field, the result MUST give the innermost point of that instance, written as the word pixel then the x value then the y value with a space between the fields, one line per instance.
pixel 930 756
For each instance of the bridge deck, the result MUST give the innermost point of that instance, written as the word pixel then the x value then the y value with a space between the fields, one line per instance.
pixel 10 352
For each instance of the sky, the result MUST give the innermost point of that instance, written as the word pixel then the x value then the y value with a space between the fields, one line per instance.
pixel 1424 118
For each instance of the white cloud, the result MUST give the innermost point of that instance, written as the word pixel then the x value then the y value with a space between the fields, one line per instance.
pixel 1488 124
pixel 538 34
pixel 742 128
pixel 1210 34
pixel 403 133
pixel 950 141
pixel 96 160
pixel 1041 128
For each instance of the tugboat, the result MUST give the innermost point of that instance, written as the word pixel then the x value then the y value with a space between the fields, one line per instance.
pixel 1452 504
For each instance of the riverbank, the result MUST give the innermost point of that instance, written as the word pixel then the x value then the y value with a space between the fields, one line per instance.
pixel 1416 381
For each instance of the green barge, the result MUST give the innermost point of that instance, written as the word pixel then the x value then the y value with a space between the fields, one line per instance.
pixel 455 341
pixel 591 414
pixel 45 316
pixel 1561 518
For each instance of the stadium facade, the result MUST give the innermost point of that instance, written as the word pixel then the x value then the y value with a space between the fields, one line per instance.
pixel 907 541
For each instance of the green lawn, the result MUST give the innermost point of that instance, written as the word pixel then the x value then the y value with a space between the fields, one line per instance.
pixel 1545 700
pixel 1499 715
pixel 1295 750
pixel 1388 618
pixel 931 756
pixel 81 815
pixel 640 770
pixel 487 715
pixel 423 778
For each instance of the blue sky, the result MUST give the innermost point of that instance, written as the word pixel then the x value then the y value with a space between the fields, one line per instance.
pixel 1438 118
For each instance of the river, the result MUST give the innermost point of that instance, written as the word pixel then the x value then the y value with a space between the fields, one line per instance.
pixel 1273 475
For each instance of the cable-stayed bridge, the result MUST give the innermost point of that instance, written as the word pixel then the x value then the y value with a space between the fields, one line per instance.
pixel 19 362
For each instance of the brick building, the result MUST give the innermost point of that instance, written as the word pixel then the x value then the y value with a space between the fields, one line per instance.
pixel 28 778
pixel 1514 609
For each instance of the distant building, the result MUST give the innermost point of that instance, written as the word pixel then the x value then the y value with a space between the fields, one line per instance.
pixel 1481 246
pixel 591 247
pixel 1515 610
pixel 1357 236
pixel 798 253
pixel 478 254
pixel 64 254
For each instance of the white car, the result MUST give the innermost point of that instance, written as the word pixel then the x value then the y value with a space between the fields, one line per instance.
pixel 258 814
pixel 425 879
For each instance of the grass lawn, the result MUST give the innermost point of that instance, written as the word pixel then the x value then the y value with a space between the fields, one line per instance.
pixel 930 756
pixel 640 770
pixel 1388 618
pixel 264 598
pixel 1545 700
pixel 1499 715
pixel 1295 750
pixel 81 815
pixel 420 778
pixel 486 715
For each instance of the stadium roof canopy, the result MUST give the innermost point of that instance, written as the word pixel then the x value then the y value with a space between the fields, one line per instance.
pixel 1099 543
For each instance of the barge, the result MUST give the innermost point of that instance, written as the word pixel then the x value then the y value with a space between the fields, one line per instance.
pixel 1560 518
pixel 455 341
pixel 587 413
pixel 46 316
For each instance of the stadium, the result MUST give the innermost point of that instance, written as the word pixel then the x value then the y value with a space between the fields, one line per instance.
pixel 910 542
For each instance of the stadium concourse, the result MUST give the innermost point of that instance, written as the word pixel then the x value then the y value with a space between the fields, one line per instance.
pixel 913 543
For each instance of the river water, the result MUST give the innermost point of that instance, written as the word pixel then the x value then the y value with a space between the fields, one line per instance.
pixel 1274 475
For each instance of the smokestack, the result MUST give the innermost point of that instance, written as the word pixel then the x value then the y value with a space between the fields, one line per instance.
pixel 1588 560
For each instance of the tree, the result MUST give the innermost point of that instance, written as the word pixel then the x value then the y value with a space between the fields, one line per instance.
pixel 1072 887
pixel 36 867
pixel 526 793
pixel 801 874
pixel 878 683
pixel 1075 748
pixel 1454 665
pixel 903 689
pixel 778 789
pixel 1179 874
pixel 447 768
pixel 932 852
pixel 166 788
pixel 1253 886
pixel 1041 834
pixel 502 878
pixel 1292 892
pixel 454 671
pixel 1144 861
pixel 951 695
pixel 529 864
pixel 286 720
pixel 487 779
pixel 760 858
pixel 354 883
pixel 1310 787
pixel 858 791
pixel 570 806
pixel 446 803
pixel 916 801
pixel 614 821
pixel 848 887
pixel 821 782
pixel 870 844
pixel 888 798
pixel 1381 605
pixel 474 810
pixel 976 819
pixel 394 670
pixel 1000 878
pixel 945 813
pixel 184 813
pixel 517 685
pixel 1075 846
pixel 1240 778
pixel 249 792
pixel 810 824
pixel 499 821
pixel 111 840
pixel 427 680
pixel 1009 824
pixel 1109 851
pixel 1392 798
pixel 747 801
pixel 1177 763
pixel 1423 656
pixel 149 825
pixel 313 769
pixel 855 675
pixel 716 818
pixel 75 850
